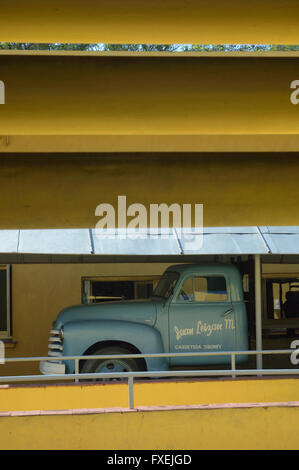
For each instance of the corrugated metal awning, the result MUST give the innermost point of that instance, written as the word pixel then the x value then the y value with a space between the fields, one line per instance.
pixel 281 240
pixel 212 241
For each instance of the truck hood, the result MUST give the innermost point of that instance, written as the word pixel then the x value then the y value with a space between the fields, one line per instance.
pixel 137 311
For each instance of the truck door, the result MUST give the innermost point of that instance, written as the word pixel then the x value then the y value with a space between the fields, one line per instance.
pixel 201 319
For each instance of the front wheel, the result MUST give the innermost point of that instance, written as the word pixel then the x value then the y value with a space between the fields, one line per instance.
pixel 111 365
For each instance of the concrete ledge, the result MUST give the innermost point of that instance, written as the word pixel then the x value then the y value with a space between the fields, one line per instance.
pixel 89 411
pixel 251 426
pixel 173 393
pixel 231 143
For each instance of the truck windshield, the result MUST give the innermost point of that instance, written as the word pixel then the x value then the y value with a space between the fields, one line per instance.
pixel 166 284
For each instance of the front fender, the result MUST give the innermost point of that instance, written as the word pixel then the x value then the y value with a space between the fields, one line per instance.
pixel 81 335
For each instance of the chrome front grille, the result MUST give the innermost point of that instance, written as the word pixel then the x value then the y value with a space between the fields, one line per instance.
pixel 55 344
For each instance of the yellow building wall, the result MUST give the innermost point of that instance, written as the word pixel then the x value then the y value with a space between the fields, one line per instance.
pixel 280 268
pixel 170 21
pixel 59 191
pixel 181 125
pixel 87 102
pixel 226 427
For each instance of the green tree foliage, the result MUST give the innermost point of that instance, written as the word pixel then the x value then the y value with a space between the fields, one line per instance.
pixel 25 46
pixel 285 48
pixel 148 47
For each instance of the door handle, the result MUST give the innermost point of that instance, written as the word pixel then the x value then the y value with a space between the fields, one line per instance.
pixel 227 312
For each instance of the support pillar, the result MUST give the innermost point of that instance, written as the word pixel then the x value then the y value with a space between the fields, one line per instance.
pixel 258 310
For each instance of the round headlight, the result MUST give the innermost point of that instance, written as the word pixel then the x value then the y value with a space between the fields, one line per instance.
pixel 61 333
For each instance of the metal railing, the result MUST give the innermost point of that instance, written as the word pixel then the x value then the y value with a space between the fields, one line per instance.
pixel 130 376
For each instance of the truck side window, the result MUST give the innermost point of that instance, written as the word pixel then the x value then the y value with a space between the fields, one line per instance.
pixel 204 289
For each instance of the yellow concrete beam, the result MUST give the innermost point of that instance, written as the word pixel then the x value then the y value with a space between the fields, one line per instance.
pixel 237 427
pixel 157 393
pixel 154 22
pixel 60 191
pixel 92 103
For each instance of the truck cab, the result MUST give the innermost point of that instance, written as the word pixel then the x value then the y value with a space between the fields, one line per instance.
pixel 194 308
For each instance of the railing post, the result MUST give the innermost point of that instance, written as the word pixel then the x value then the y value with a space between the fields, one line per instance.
pixel 131 392
pixel 76 369
pixel 233 365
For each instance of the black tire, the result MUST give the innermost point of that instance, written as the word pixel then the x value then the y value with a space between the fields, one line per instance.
pixel 110 365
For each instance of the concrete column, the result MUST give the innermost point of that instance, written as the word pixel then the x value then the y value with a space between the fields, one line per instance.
pixel 258 309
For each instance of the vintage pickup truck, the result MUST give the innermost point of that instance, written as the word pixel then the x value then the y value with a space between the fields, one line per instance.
pixel 194 308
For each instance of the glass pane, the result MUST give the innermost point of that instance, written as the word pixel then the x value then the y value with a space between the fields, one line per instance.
pixel 105 291
pixel 282 298
pixel 166 284
pixel 3 303
pixel 144 290
pixel 187 290
pixel 290 299
pixel 204 289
